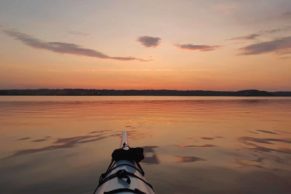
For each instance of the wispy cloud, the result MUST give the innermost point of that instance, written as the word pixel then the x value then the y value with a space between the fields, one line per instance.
pixel 279 46
pixel 197 47
pixel 286 14
pixel 247 37
pixel 261 33
pixel 275 30
pixel 149 41
pixel 63 47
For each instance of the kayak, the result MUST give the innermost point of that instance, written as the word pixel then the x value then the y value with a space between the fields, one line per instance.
pixel 124 174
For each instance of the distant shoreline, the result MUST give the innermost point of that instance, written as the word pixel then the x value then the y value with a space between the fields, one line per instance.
pixel 108 92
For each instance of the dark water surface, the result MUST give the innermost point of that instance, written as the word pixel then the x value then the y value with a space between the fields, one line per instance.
pixel 203 145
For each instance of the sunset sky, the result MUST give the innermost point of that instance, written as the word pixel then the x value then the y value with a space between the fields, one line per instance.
pixel 146 44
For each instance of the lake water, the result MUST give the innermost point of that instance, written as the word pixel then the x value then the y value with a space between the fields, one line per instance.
pixel 203 145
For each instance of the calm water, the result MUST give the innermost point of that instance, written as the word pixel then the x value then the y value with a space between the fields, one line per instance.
pixel 193 145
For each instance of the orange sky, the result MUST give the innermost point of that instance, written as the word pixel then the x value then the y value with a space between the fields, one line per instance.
pixel 217 45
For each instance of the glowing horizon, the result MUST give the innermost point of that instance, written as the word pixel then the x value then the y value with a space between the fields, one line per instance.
pixel 181 45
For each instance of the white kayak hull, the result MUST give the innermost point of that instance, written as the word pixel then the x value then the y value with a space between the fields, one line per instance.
pixel 116 183
pixel 124 174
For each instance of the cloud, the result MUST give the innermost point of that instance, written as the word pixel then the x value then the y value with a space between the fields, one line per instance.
pixel 286 14
pixel 279 46
pixel 64 48
pixel 261 33
pixel 149 41
pixel 198 47
pixel 247 37
pixel 275 30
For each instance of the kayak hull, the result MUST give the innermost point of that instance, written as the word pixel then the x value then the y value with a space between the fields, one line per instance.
pixel 136 181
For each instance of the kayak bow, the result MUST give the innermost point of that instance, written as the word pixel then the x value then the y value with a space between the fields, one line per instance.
pixel 124 174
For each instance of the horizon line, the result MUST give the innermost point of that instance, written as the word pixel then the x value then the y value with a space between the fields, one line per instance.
pixel 107 92
pixel 147 89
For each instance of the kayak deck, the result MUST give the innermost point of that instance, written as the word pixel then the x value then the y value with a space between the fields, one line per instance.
pixel 124 174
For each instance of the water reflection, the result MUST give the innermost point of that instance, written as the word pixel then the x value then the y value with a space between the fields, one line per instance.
pixel 266 131
pixel 150 155
pixel 208 138
pixel 199 146
pixel 250 140
pixel 187 159
pixel 23 138
pixel 68 142
pixel 41 139
pixel 191 145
